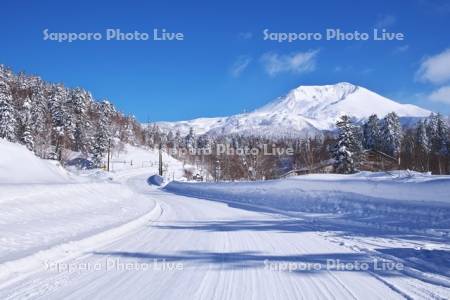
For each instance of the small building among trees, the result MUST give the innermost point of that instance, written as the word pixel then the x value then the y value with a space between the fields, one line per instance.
pixel 374 160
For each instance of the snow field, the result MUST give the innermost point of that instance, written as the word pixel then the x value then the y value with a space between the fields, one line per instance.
pixel 403 200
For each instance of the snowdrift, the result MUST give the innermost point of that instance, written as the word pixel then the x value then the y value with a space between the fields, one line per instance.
pixel 19 165
pixel 397 199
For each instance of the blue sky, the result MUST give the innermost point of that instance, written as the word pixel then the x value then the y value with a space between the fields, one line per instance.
pixel 224 66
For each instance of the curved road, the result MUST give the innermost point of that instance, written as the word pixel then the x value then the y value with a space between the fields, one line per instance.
pixel 199 249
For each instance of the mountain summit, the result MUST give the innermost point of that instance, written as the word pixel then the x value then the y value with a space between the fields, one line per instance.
pixel 305 110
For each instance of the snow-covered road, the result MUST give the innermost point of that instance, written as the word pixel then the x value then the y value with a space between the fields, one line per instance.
pixel 200 249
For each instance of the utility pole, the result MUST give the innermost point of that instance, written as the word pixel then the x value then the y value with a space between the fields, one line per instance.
pixel 160 166
pixel 109 153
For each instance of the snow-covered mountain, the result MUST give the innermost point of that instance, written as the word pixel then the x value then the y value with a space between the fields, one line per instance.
pixel 305 110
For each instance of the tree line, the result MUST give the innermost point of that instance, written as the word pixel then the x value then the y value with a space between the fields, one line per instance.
pixel 422 147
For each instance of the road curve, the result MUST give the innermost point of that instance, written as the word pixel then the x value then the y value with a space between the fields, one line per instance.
pixel 200 249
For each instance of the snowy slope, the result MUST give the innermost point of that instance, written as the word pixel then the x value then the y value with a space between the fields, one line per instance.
pixel 306 110
pixel 19 165
pixel 201 125
pixel 132 157
pixel 42 205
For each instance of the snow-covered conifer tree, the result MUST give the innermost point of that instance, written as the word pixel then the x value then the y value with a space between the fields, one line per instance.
pixel 26 124
pixel 422 146
pixel 78 103
pixel 437 131
pixel 8 123
pixel 103 135
pixel 347 150
pixel 372 133
pixel 391 134
pixel 190 140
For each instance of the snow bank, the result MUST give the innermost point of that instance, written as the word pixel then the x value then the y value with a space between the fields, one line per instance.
pixel 155 180
pixel 19 165
pixel 39 216
pixel 387 198
pixel 42 205
pixel 65 251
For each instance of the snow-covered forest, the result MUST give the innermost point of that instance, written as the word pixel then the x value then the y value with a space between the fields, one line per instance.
pixel 423 147
pixel 53 121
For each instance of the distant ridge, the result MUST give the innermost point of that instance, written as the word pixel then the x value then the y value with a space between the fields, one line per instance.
pixel 305 110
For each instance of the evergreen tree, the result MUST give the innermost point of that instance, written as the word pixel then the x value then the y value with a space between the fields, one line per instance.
pixel 422 146
pixel 408 150
pixel 178 140
pixel 8 124
pixel 204 141
pixel 79 106
pixel 26 135
pixel 102 137
pixel 372 133
pixel 62 125
pixel 347 150
pixel 391 134
pixel 437 130
pixel 190 140
pixel 40 118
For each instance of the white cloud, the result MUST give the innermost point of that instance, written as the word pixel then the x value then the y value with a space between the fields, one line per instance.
pixel 240 65
pixel 435 69
pixel 385 21
pixel 298 62
pixel 441 95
